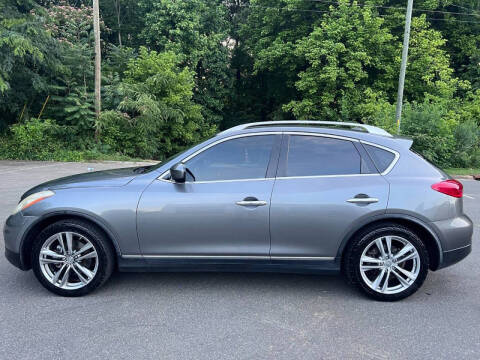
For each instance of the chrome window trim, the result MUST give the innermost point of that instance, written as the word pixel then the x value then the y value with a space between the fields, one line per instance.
pixel 218 181
pixel 323 176
pixel 230 257
pixel 301 133
pixel 394 161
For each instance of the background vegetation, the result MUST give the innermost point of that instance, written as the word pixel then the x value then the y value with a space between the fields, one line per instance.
pixel 175 72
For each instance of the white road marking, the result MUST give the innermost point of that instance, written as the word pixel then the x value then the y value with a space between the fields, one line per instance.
pixel 468 196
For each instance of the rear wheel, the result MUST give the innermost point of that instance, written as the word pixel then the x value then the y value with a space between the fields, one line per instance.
pixel 387 262
pixel 72 258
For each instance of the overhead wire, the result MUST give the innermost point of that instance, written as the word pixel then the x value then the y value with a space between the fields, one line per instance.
pixel 327 11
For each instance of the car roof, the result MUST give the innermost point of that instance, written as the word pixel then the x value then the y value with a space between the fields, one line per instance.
pixel 365 133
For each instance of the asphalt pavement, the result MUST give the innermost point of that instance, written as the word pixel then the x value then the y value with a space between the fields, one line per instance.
pixel 232 315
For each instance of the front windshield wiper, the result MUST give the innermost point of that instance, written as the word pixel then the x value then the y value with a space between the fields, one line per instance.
pixel 142 169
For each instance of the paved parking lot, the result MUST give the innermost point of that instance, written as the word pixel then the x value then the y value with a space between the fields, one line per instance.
pixel 232 316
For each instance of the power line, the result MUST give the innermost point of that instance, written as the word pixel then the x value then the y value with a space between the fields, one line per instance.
pixel 327 11
pixel 396 8
pixel 461 7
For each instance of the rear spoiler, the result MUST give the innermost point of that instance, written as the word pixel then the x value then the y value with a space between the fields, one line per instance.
pixel 405 142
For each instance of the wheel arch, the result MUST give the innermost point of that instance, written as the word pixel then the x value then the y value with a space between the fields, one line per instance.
pixel 43 222
pixel 426 234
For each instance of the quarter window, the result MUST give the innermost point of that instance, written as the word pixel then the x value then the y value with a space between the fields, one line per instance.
pixel 381 158
pixel 236 159
pixel 316 155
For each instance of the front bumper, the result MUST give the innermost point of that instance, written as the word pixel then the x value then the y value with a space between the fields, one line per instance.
pixel 14 258
pixel 13 234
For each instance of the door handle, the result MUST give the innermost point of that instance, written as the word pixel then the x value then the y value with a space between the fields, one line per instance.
pixel 362 199
pixel 251 201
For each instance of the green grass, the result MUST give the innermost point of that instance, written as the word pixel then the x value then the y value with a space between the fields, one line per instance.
pixel 463 171
pixel 74 156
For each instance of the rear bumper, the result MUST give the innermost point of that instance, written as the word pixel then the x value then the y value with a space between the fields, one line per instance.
pixel 456 239
pixel 453 256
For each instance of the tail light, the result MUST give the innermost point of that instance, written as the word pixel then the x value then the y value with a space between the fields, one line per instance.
pixel 449 187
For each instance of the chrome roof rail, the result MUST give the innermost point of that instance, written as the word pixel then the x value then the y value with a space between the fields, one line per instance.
pixel 353 126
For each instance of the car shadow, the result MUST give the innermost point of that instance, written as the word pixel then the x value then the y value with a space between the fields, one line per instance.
pixel 250 283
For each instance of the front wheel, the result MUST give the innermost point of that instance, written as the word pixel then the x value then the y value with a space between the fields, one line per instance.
pixel 387 262
pixel 72 258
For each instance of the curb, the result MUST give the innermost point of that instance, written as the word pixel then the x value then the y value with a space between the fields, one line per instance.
pixel 464 177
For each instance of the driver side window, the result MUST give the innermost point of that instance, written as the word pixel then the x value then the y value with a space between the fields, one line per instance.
pixel 236 159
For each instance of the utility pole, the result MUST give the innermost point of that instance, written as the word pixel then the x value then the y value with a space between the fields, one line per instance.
pixel 403 66
pixel 98 61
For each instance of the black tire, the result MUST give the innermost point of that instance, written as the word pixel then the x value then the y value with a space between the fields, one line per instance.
pixel 351 264
pixel 103 247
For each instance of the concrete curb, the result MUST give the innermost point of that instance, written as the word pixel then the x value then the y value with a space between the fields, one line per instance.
pixel 465 177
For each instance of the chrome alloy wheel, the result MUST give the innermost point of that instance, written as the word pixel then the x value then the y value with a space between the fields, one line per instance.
pixel 390 264
pixel 68 260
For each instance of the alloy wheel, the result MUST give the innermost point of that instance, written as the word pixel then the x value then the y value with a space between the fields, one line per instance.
pixel 389 264
pixel 68 260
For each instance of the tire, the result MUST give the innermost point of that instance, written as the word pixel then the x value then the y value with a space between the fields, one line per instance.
pixel 364 262
pixel 79 251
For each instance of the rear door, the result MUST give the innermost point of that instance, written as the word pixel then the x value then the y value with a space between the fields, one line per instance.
pixel 325 184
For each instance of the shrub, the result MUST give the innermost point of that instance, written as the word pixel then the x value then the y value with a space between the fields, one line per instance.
pixel 120 134
pixel 156 116
pixel 33 140
pixel 431 129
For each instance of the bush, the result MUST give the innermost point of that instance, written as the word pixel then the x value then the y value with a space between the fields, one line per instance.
pixel 431 129
pixel 156 116
pixel 46 140
pixel 444 132
pixel 33 140
pixel 120 134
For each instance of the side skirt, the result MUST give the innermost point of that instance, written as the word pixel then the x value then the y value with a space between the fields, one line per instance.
pixel 138 263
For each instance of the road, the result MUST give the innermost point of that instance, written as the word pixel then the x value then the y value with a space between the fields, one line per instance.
pixel 232 316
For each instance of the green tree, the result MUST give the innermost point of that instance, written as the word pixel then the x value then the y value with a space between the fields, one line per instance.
pixel 157 114
pixel 27 60
pixel 348 58
pixel 196 30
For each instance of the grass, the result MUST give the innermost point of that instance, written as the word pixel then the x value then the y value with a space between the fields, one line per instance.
pixel 463 171
pixel 75 156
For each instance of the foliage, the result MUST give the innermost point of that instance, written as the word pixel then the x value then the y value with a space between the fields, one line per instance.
pixel 340 54
pixel 432 130
pixel 217 63
pixel 196 30
pixel 156 115
pixel 27 55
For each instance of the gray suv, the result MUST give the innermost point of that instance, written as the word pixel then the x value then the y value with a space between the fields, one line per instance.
pixel 286 196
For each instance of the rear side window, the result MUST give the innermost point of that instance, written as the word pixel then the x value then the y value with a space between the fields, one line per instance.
pixel 316 155
pixel 381 158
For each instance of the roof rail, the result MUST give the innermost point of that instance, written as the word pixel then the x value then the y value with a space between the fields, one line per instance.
pixel 353 126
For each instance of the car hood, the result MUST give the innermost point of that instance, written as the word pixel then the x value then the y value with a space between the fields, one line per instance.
pixel 113 177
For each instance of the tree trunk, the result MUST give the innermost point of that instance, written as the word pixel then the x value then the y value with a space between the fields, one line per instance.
pixel 98 60
pixel 117 9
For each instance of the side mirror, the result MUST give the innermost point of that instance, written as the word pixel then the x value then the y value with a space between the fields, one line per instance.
pixel 178 173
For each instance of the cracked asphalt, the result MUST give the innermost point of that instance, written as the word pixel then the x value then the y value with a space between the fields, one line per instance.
pixel 232 315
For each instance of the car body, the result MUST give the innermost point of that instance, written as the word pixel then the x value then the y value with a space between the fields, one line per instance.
pixel 276 196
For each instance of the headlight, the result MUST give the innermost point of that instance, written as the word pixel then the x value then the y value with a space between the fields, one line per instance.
pixel 33 199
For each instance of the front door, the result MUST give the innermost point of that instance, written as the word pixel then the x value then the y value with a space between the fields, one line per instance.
pixel 223 212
